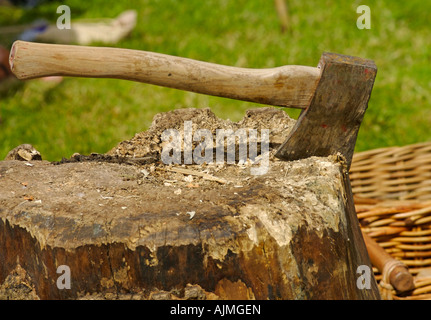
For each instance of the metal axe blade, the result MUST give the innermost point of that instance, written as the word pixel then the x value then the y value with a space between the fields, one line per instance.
pixel 331 122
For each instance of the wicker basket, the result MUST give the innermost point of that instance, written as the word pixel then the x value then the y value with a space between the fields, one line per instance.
pixel 392 190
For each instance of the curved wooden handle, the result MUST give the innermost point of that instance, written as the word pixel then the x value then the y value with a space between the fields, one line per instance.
pixel 287 86
pixel 400 277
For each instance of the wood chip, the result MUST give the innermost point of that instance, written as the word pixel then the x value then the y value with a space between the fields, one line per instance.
pixel 203 175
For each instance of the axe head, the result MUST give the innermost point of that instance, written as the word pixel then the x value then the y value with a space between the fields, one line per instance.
pixel 330 124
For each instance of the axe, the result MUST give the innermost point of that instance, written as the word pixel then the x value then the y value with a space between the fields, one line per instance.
pixel 334 95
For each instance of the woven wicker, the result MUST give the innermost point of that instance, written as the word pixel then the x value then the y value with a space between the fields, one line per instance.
pixel 393 173
pixel 392 190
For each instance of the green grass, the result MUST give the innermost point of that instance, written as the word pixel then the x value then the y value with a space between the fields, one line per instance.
pixel 93 115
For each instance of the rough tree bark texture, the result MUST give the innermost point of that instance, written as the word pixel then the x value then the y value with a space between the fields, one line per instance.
pixel 146 230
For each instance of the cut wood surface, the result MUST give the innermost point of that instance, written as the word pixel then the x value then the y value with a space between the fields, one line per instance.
pixel 139 231
pixel 288 86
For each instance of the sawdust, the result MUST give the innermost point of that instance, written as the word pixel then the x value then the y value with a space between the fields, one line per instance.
pixel 149 143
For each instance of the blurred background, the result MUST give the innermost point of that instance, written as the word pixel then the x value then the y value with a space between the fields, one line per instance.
pixel 63 116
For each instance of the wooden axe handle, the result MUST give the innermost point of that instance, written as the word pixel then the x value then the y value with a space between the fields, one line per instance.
pixel 400 277
pixel 287 86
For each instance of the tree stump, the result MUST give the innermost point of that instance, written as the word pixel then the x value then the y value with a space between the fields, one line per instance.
pixel 125 225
